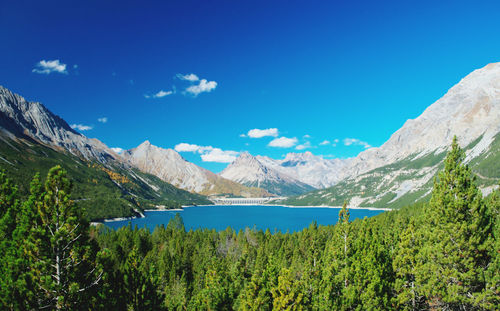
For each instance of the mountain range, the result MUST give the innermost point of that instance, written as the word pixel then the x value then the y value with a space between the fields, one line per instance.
pixel 399 172
pixel 170 166
pixel 250 171
pixel 33 139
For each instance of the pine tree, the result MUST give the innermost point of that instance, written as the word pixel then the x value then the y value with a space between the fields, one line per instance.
pixel 61 254
pixel 490 299
pixel 254 296
pixel 457 237
pixel 335 281
pixel 9 208
pixel 344 227
pixel 140 286
pixel 289 294
pixel 405 265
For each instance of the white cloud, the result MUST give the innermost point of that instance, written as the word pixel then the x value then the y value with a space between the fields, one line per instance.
pixel 160 94
pixel 324 142
pixel 103 119
pixel 307 136
pixel 185 147
pixel 336 140
pixel 49 66
pixel 303 146
pixel 283 142
pixel 117 149
pixel 208 153
pixel 202 87
pixel 355 141
pixel 243 135
pixel 81 127
pixel 257 133
pixel 188 77
pixel 219 155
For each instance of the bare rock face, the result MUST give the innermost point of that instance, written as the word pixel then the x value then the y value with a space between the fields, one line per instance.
pixel 22 118
pixel 170 166
pixel 401 170
pixel 249 170
pixel 469 110
pixel 308 168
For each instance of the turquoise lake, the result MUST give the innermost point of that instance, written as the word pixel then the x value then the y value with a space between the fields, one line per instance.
pixel 219 217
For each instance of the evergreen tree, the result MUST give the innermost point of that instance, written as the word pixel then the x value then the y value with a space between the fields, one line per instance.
pixel 59 249
pixel 141 287
pixel 9 208
pixel 254 296
pixel 457 237
pixel 490 299
pixel 335 281
pixel 405 265
pixel 289 294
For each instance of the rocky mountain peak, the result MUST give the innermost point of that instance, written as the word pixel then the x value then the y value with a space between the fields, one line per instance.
pixel 469 110
pixel 170 166
pixel 255 171
pixel 293 158
pixel 25 119
pixel 145 144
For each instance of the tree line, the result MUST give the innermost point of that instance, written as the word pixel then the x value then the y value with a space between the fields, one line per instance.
pixel 442 255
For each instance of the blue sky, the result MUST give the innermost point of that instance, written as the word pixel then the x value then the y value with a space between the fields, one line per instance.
pixel 305 71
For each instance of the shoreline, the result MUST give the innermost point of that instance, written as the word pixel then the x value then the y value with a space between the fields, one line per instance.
pixel 166 210
pixel 141 215
pixel 386 209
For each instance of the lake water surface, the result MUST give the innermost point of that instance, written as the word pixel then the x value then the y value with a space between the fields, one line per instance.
pixel 219 217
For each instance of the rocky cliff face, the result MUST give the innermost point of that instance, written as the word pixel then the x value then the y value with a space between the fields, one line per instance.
pixel 169 166
pixel 309 169
pixel 251 171
pixel 21 118
pixel 401 170
pixel 469 110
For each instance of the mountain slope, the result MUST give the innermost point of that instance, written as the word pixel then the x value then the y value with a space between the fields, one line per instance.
pixel 402 169
pixel 22 118
pixel 32 139
pixel 308 168
pixel 248 170
pixel 168 165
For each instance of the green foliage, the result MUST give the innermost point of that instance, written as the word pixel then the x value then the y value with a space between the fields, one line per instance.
pixel 487 164
pixel 439 255
pixel 376 188
pixel 60 252
pixel 457 237
pixel 103 192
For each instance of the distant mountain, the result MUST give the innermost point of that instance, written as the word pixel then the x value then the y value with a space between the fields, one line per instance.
pixel 32 139
pixel 250 171
pixel 168 165
pixel 308 168
pixel 401 170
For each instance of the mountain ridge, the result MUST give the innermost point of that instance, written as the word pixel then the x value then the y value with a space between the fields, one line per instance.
pixel 170 166
pixel 249 170
pixel 404 166
pixel 33 139
pixel 24 118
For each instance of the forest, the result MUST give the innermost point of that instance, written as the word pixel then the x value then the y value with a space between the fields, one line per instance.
pixel 440 255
